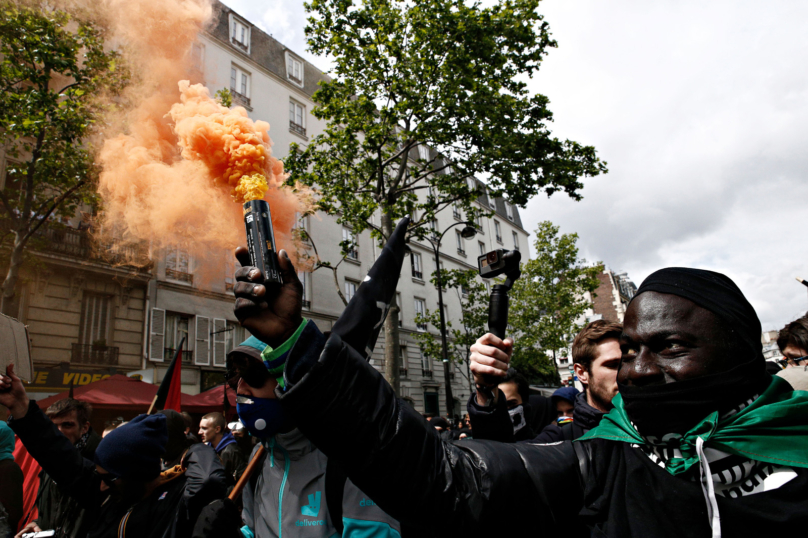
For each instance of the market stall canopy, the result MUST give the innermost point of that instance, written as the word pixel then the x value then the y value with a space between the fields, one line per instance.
pixel 209 401
pixel 115 392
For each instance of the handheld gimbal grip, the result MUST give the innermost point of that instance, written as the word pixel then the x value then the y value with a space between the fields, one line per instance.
pixel 498 311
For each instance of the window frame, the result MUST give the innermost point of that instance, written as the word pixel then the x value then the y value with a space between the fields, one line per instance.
pixel 242 39
pixel 293 62
pixel 417 265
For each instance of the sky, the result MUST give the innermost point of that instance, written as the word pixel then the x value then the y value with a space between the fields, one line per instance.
pixel 700 110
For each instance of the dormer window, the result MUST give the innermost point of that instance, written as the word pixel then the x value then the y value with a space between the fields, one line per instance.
pixel 294 69
pixel 240 33
pixel 509 211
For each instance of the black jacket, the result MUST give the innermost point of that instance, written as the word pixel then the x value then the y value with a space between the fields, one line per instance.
pixel 584 418
pixel 483 488
pixel 233 460
pixel 167 512
pixel 60 512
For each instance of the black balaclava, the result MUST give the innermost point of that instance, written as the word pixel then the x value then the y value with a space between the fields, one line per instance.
pixel 677 407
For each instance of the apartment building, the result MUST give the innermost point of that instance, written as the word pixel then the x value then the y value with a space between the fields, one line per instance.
pixel 275 84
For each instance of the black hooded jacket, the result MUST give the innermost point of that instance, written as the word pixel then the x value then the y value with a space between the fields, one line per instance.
pixel 584 418
pixel 483 488
pixel 169 511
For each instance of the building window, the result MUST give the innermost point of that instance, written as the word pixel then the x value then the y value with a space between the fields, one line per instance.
pixel 478 224
pixel 234 335
pixel 423 153
pixel 400 309
pixel 464 290
pixel 498 231
pixel 448 170
pixel 350 289
pixel 198 58
pixel 303 276
pixel 509 211
pixel 482 248
pixel 430 192
pixel 95 320
pixel 426 365
pixel 230 272
pixel 515 241
pixel 349 244
pixel 178 266
pixel 420 308
pixel 177 329
pixel 240 86
pixel 417 268
pixel 456 212
pixel 297 118
pixel 240 34
pixel 461 243
pixel 433 225
pixel 294 69
pixel 492 203
pixel 431 402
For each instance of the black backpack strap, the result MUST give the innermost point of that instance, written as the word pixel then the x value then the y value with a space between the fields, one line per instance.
pixel 567 433
pixel 335 479
pixel 583 451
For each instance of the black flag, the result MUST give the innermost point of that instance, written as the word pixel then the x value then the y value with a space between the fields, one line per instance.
pixel 362 319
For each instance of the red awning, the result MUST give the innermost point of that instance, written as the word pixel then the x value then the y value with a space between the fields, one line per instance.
pixel 115 392
pixel 209 401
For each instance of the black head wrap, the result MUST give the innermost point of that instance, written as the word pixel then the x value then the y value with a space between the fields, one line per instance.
pixel 675 407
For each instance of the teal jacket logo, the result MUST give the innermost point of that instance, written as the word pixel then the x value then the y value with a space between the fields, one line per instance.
pixel 313 508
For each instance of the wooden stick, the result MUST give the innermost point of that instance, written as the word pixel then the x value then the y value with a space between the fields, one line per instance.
pixel 151 407
pixel 248 472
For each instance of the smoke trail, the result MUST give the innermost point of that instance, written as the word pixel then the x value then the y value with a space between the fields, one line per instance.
pixel 173 173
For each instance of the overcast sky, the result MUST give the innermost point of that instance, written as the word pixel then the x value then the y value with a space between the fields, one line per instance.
pixel 701 111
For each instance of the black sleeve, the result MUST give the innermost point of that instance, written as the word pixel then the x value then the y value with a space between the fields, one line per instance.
pixel 234 461
pixel 490 423
pixel 551 434
pixel 58 457
pixel 466 489
pixel 205 482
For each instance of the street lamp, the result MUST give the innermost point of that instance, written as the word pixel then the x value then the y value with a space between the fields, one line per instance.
pixel 466 233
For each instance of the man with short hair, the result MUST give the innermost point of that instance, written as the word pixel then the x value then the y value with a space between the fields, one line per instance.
pixel 596 357
pixel 213 431
pixel 59 512
pixel 793 342
pixel 701 441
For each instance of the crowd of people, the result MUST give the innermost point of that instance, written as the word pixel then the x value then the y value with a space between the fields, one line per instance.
pixel 679 430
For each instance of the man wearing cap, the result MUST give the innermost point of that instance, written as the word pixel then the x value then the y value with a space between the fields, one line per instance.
pixel 123 489
pixel 701 440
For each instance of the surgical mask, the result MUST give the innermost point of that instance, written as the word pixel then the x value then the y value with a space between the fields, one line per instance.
pixel 263 417
pixel 517 417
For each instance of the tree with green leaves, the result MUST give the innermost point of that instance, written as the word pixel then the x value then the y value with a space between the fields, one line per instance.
pixel 425 96
pixel 473 297
pixel 53 68
pixel 548 302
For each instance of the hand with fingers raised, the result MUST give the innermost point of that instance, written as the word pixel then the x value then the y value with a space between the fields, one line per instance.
pixel 490 359
pixel 12 393
pixel 271 313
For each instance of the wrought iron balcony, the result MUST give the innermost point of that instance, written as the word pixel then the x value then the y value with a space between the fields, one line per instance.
pixel 402 371
pixel 179 275
pixel 306 304
pixel 418 274
pixel 94 354
pixel 240 99
pixel 243 46
pixel 187 356
pixel 296 128
pixel 426 373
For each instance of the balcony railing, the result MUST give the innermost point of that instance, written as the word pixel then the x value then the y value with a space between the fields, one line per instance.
pixel 240 99
pixel 187 356
pixel 418 274
pixel 499 239
pixel 426 373
pixel 402 371
pixel 421 326
pixel 306 304
pixel 461 252
pixel 243 46
pixel 79 244
pixel 296 128
pixel 92 354
pixel 179 275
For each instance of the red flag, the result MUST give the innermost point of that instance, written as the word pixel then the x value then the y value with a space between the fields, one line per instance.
pixel 168 395
pixel 30 485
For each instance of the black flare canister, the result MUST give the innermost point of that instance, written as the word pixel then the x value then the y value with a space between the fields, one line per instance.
pixel 261 241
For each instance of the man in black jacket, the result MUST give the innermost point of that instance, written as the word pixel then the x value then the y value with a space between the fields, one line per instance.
pixel 213 431
pixel 123 489
pixel 692 380
pixel 59 512
pixel 596 356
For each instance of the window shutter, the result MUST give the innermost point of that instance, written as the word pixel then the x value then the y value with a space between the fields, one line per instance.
pixel 158 330
pixel 202 350
pixel 219 338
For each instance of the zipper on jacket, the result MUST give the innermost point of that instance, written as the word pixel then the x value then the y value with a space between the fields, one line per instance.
pixel 286 464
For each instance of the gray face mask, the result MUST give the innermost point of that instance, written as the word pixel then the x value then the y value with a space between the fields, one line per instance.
pixel 517 417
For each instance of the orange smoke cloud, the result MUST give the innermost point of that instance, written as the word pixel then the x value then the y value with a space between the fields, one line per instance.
pixel 181 162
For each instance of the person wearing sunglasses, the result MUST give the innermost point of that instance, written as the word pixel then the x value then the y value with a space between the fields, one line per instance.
pixel 295 489
pixel 122 489
pixel 793 343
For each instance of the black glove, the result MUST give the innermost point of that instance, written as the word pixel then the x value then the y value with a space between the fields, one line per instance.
pixel 219 519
